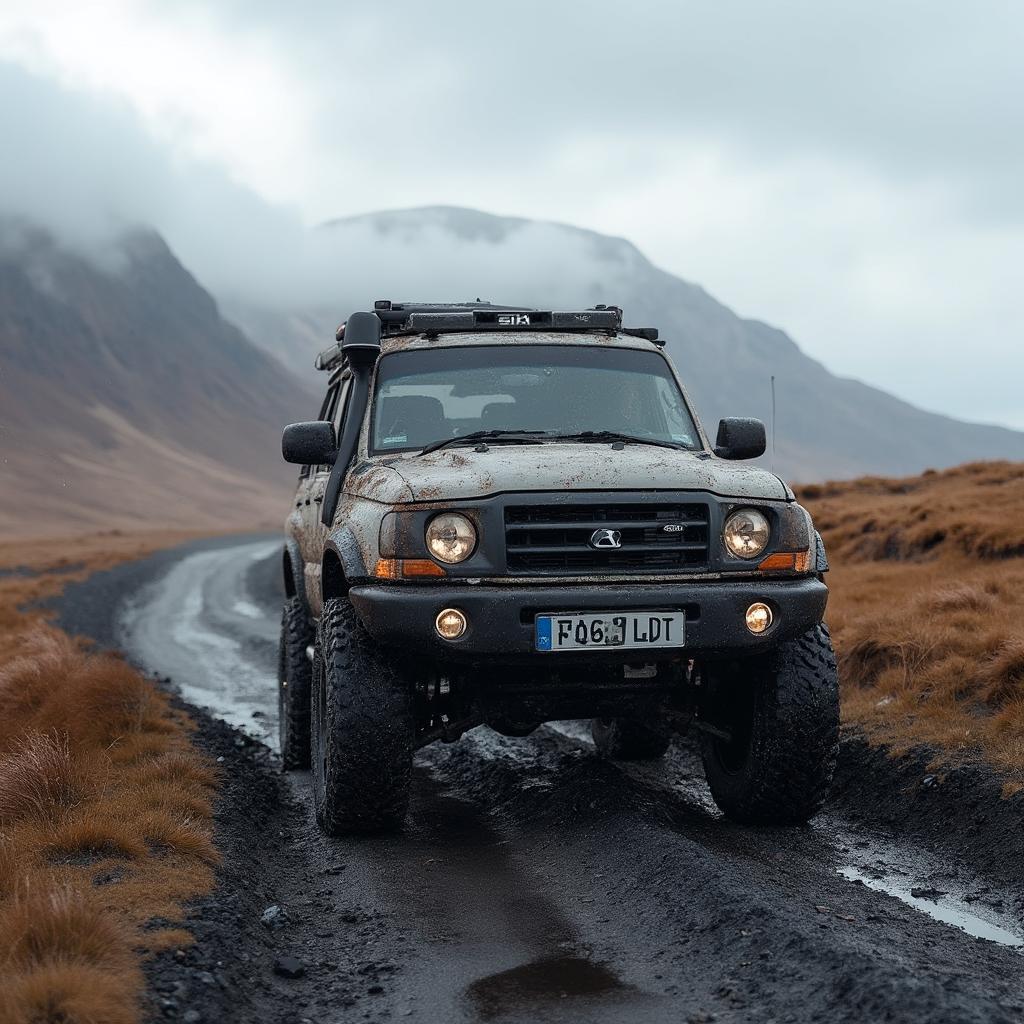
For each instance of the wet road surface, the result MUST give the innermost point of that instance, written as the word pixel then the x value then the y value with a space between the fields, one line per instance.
pixel 536 881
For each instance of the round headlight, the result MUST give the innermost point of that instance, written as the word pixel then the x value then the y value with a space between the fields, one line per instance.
pixel 450 537
pixel 746 533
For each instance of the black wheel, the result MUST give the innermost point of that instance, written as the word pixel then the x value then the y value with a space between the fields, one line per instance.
pixel 363 728
pixel 782 715
pixel 626 740
pixel 294 681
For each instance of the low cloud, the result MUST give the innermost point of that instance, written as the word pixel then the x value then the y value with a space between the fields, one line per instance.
pixel 837 181
pixel 87 170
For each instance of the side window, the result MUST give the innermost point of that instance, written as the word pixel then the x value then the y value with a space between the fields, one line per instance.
pixel 332 409
pixel 339 412
pixel 330 401
pixel 327 407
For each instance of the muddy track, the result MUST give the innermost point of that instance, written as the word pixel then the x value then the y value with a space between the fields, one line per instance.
pixel 537 882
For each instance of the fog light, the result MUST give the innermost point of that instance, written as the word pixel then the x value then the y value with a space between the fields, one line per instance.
pixel 450 624
pixel 759 617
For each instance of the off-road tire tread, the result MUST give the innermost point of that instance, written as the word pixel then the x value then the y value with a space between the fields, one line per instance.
pixel 624 739
pixel 370 732
pixel 795 743
pixel 293 727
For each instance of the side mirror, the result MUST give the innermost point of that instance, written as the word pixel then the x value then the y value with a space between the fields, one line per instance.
pixel 740 438
pixel 310 444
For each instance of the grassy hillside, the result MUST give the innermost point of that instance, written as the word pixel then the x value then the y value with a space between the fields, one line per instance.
pixel 927 607
pixel 105 805
pixel 126 401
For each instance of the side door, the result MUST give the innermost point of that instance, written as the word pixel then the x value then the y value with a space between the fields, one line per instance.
pixel 308 508
pixel 316 531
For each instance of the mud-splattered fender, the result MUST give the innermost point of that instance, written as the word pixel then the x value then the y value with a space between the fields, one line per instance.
pixel 820 558
pixel 292 570
pixel 345 545
pixel 371 492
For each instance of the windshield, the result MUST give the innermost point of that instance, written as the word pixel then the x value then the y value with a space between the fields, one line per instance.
pixel 423 397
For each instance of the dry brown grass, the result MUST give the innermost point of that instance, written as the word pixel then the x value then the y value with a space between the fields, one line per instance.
pixel 65 959
pixel 105 807
pixel 927 608
pixel 936 515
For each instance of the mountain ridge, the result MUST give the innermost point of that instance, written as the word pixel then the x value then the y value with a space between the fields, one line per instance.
pixel 827 426
pixel 127 399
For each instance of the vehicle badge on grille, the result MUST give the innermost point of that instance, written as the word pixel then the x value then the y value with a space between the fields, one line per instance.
pixel 673 528
pixel 606 539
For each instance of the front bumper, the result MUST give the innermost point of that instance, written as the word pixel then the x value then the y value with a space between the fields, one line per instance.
pixel 501 618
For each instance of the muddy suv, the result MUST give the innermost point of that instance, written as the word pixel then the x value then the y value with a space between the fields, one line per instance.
pixel 510 516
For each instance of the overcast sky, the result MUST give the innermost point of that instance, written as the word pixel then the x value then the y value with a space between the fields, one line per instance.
pixel 850 172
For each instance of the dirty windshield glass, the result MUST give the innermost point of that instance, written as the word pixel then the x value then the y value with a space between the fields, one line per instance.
pixel 423 397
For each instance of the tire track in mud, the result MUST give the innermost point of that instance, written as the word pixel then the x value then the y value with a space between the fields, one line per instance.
pixel 534 881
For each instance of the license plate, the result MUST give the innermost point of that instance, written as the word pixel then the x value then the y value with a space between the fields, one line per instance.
pixel 588 631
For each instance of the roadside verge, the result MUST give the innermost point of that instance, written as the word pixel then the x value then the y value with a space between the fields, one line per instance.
pixel 105 804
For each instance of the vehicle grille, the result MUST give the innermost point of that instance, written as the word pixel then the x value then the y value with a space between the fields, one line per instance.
pixel 556 538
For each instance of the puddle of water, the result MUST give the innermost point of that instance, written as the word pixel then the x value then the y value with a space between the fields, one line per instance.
pixel 947 911
pixel 550 980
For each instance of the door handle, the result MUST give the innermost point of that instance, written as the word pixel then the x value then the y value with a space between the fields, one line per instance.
pixel 319 498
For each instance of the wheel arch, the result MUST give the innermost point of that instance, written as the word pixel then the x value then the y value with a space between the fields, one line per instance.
pixel 291 571
pixel 820 557
pixel 342 562
pixel 333 581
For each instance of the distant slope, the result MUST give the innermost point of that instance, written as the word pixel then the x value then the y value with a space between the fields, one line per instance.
pixel 827 427
pixel 927 598
pixel 127 400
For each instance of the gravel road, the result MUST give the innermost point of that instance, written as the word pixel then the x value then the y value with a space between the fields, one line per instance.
pixel 538 882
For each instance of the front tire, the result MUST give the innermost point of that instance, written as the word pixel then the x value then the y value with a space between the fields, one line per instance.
pixel 363 728
pixel 294 682
pixel 623 739
pixel 782 714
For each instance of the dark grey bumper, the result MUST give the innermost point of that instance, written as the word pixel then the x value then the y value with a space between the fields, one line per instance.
pixel 501 619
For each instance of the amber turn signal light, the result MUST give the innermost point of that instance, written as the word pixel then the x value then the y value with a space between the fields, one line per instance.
pixel 421 567
pixel 796 561
pixel 406 568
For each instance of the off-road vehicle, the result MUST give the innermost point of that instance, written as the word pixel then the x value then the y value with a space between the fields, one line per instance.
pixel 508 516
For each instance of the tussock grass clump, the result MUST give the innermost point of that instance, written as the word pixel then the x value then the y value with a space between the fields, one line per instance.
pixel 39 779
pixel 65 959
pixel 98 780
pixel 95 700
pixel 927 608
pixel 1002 674
pixel 84 838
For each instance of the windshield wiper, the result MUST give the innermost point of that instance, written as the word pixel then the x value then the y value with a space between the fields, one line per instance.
pixel 503 436
pixel 614 435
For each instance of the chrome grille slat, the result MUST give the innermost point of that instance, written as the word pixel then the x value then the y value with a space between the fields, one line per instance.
pixel 554 539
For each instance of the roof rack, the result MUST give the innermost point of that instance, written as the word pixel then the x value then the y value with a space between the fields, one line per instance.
pixel 395 316
pixel 512 320
pixel 431 319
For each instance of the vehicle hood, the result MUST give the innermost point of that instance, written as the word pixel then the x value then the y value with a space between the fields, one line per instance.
pixel 463 473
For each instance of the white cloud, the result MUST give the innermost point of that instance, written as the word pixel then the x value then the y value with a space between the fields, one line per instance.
pixel 210 95
pixel 848 172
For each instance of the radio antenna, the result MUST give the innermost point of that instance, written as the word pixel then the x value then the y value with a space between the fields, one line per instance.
pixel 773 423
